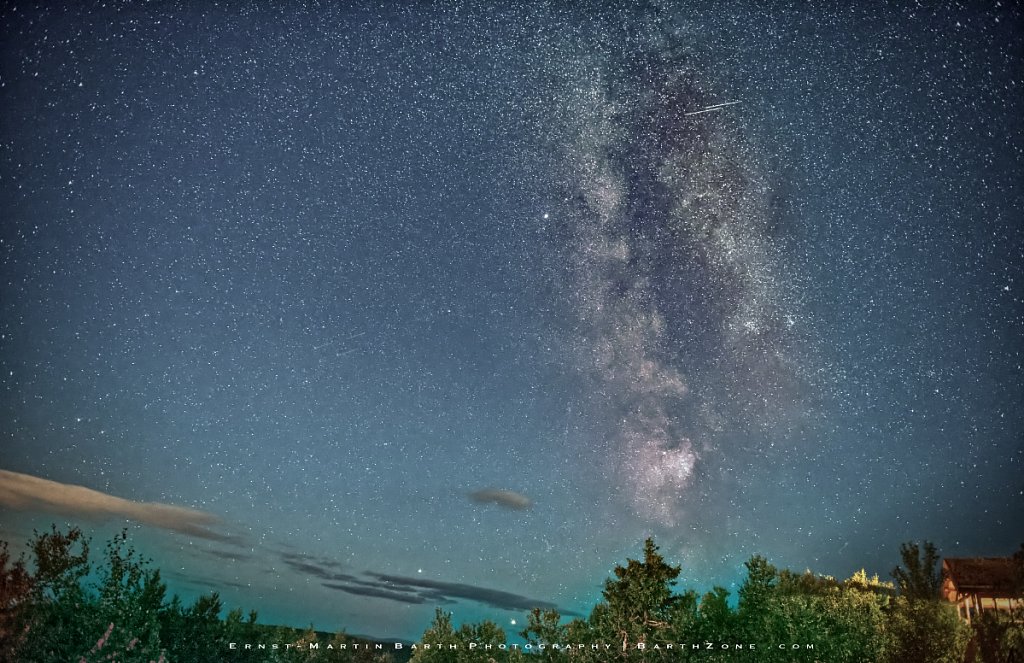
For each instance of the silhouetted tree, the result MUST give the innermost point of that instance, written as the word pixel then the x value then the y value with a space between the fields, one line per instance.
pixel 716 622
pixel 131 596
pixel 639 602
pixel 920 577
pixel 240 630
pixel 920 626
pixel 64 618
pixel 16 588
pixel 441 643
pixel 543 627
pixel 759 585
pixel 192 633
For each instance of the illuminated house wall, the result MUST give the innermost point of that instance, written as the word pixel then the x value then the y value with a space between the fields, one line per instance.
pixel 978 584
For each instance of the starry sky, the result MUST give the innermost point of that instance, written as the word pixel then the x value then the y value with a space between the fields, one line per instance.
pixel 351 310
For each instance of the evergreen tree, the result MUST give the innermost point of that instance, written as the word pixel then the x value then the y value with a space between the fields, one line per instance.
pixel 441 643
pixel 436 640
pixel 759 585
pixel 638 603
pixel 716 622
pixel 241 631
pixel 542 627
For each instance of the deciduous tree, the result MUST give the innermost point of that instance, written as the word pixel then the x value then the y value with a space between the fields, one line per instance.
pixel 15 600
pixel 919 577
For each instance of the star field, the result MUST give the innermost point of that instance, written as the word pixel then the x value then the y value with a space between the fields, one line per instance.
pixel 453 304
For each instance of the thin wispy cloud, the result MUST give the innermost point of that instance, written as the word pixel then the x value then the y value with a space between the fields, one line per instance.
pixel 318 568
pixel 508 499
pixel 408 590
pixel 230 555
pixel 204 583
pixel 381 593
pixel 457 590
pixel 25 492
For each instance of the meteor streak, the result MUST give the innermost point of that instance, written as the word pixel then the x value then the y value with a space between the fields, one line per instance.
pixel 713 108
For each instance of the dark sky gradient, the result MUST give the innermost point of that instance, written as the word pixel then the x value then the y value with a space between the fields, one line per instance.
pixel 326 271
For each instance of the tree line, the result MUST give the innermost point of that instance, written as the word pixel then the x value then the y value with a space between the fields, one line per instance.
pixel 60 605
pixel 778 615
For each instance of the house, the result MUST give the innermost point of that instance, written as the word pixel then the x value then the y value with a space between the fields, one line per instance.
pixel 978 584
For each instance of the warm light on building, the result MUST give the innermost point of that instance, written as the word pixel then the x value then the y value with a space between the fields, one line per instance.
pixel 979 584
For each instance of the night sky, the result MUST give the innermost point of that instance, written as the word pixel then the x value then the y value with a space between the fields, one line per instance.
pixel 386 306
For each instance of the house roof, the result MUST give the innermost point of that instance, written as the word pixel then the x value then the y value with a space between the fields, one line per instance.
pixel 983 573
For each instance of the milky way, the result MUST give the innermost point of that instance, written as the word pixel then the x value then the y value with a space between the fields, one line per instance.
pixel 684 317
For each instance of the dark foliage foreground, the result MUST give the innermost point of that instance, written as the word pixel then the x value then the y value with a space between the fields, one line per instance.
pixel 60 606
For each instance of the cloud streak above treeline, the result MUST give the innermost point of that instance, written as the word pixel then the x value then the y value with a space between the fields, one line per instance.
pixel 25 492
pixel 409 590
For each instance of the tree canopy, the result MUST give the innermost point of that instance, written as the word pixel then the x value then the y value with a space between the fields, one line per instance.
pixel 61 604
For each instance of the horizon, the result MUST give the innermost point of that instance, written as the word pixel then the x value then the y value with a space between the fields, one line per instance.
pixel 189 586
